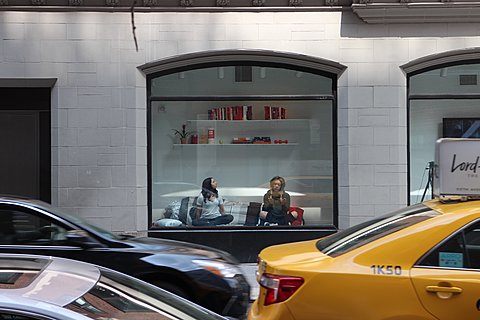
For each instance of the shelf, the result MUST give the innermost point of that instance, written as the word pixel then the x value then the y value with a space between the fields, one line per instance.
pixel 250 121
pixel 235 144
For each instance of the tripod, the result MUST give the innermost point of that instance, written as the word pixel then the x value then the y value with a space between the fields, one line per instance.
pixel 430 167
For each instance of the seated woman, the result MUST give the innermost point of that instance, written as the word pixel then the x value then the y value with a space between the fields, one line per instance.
pixel 209 206
pixel 276 204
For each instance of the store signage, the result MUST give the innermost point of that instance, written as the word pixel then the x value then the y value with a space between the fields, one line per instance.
pixel 457 167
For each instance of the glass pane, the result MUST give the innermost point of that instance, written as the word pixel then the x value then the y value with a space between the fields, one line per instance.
pixel 449 254
pixel 366 232
pixel 246 80
pixel 242 155
pixel 19 273
pixel 460 79
pixel 426 126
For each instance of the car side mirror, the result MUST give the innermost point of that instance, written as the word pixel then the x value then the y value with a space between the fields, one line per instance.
pixel 81 238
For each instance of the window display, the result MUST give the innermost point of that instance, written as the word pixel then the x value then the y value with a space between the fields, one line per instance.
pixel 241 140
pixel 440 105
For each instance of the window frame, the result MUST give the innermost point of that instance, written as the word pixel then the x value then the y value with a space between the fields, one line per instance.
pixel 422 65
pixel 330 97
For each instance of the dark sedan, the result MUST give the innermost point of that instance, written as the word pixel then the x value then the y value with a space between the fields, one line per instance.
pixel 206 276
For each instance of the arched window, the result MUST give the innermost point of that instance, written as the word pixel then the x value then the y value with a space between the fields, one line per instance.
pixel 443 102
pixel 246 117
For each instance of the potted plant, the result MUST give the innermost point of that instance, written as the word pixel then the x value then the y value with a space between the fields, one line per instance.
pixel 184 134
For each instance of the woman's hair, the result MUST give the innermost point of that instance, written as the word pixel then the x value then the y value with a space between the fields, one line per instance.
pixel 207 189
pixel 282 182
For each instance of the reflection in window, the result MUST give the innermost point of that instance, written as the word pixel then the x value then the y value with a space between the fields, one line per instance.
pixel 449 255
pixel 14 279
pixel 441 104
pixel 12 316
pixel 103 301
pixel 19 227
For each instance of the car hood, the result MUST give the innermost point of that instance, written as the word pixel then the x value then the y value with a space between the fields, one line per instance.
pixel 155 245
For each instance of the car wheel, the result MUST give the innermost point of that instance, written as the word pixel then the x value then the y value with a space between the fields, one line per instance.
pixel 173 289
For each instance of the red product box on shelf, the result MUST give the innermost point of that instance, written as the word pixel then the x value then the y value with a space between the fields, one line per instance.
pixel 267 111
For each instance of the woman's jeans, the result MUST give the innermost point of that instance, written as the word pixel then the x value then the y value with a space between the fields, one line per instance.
pixel 223 219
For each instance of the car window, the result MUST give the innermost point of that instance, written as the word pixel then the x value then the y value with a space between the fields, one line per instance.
pixel 14 279
pixel 27 227
pixel 116 296
pixel 73 219
pixel 460 250
pixel 364 233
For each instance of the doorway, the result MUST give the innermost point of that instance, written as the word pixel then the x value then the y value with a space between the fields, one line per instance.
pixel 25 164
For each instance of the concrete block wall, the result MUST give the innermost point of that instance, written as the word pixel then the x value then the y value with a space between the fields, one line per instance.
pixel 98 123
pixel 99 151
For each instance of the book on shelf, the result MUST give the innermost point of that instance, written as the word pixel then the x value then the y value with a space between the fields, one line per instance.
pixel 231 113
pixel 274 112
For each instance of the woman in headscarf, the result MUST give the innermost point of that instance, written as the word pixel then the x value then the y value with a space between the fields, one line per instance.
pixel 209 206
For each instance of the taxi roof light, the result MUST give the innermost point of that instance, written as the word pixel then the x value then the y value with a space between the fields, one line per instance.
pixel 279 288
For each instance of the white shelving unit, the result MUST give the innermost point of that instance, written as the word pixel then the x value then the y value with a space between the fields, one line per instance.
pixel 236 145
pixel 226 130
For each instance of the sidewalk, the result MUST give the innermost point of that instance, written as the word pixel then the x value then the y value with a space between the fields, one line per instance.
pixel 249 272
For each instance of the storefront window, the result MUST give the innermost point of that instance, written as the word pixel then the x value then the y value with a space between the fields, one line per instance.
pixel 245 125
pixel 442 103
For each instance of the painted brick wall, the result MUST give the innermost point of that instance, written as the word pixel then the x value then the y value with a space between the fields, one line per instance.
pixel 98 104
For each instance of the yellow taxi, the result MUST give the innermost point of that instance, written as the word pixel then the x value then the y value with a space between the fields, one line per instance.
pixel 420 262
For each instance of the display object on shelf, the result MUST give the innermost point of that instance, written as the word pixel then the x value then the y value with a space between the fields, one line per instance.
pixel 262 140
pixel 194 139
pixel 231 113
pixel 184 134
pixel 274 113
pixel 266 132
pixel 241 140
pixel 211 135
pixel 203 137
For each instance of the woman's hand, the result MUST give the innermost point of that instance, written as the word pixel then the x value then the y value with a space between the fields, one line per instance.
pixel 270 199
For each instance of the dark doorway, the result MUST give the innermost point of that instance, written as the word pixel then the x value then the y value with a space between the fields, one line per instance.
pixel 25 164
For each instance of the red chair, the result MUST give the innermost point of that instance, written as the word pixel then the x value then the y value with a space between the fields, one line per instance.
pixel 299 221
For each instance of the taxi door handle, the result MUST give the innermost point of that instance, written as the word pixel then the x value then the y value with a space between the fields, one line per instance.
pixel 444 289
pixel 444 292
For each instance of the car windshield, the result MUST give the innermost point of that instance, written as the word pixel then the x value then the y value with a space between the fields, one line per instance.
pixel 116 296
pixel 74 219
pixel 366 232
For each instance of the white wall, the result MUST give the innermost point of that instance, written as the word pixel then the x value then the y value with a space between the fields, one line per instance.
pixel 98 104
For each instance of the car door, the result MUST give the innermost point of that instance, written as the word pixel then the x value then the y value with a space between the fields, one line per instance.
pixel 447 280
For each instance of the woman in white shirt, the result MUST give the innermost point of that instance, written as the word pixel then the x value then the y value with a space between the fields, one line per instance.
pixel 209 206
